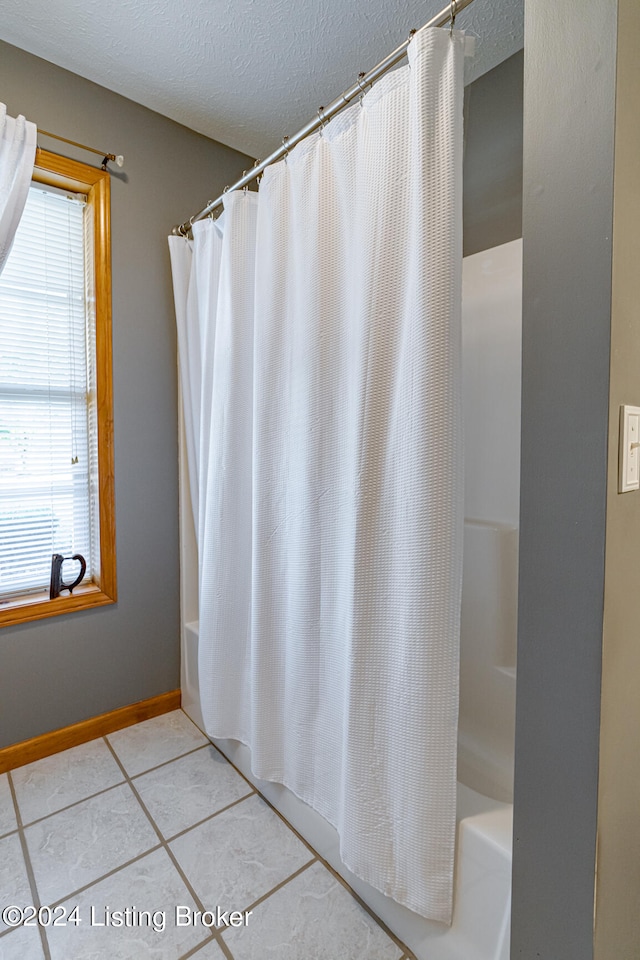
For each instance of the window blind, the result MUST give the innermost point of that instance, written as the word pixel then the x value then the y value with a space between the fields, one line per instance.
pixel 45 503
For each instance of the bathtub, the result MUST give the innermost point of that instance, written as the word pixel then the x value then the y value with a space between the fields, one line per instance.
pixel 492 285
pixel 482 884
pixel 482 894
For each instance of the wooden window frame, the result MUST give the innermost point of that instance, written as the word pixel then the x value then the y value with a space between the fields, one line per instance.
pixel 56 171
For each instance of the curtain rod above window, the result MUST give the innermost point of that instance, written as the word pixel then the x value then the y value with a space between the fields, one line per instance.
pixel 119 160
pixel 448 14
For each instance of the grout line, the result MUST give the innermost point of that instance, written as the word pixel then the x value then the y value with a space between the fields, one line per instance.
pixel 234 803
pixel 165 763
pixel 279 886
pixel 28 865
pixel 75 803
pixel 111 786
pixel 201 946
pixel 104 876
pixel 171 855
pixel 268 802
pixel 408 955
pixel 232 764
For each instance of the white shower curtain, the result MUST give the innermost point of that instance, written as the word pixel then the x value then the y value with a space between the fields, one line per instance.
pixel 17 154
pixel 319 338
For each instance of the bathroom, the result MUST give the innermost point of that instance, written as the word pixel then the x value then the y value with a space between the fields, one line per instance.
pixel 58 672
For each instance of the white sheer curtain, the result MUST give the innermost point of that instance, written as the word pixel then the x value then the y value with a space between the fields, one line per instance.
pixel 17 155
pixel 330 473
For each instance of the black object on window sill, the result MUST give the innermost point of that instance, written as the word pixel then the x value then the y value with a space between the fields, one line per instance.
pixel 57 585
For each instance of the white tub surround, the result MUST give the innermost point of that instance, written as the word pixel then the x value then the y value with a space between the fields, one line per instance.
pixel 486 727
pixel 491 362
pixel 491 386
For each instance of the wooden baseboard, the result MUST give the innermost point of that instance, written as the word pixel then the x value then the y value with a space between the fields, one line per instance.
pixel 57 740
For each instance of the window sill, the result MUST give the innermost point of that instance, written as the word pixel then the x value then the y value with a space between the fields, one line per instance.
pixel 38 606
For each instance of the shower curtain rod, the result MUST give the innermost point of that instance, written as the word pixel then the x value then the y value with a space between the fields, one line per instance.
pixel 325 113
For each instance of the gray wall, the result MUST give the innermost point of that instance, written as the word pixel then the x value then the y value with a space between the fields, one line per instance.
pixel 492 202
pixel 62 670
pixel 617 933
pixel 569 108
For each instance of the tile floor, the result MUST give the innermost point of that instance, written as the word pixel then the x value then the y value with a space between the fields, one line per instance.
pixel 123 840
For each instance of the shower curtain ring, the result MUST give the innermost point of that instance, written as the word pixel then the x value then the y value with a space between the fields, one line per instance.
pixel 285 144
pixel 322 120
pixel 359 80
pixel 454 10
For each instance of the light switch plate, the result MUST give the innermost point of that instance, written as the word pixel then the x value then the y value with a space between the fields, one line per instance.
pixel 629 451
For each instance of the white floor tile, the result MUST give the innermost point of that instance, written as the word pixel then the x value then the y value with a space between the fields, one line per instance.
pixel 14 884
pixel 78 845
pixel 151 884
pixel 181 793
pixel 50 784
pixel 209 952
pixel 22 944
pixel 7 811
pixel 239 855
pixel 231 858
pixel 313 916
pixel 155 741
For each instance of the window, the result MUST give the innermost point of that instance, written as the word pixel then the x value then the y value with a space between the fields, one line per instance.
pixel 56 432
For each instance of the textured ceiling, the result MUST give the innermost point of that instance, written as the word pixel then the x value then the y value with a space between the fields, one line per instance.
pixel 245 72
